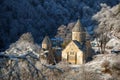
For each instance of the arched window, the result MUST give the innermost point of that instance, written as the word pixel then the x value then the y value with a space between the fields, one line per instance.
pixel 71 53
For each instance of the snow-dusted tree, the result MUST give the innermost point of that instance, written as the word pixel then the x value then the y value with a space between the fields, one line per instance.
pixel 27 37
pixel 108 20
pixel 108 24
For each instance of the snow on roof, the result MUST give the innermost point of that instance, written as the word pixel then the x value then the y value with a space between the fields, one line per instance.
pixel 58 38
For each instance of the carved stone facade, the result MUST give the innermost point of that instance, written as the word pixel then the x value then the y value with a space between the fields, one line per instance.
pixel 73 54
pixel 75 51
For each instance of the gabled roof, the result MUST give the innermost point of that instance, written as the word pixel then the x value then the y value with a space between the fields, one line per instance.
pixel 76 44
pixel 46 40
pixel 80 46
pixel 78 27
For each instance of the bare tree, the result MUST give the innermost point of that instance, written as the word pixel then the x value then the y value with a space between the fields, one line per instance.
pixel 102 34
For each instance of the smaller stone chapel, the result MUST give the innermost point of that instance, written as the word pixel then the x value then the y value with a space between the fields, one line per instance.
pixel 78 50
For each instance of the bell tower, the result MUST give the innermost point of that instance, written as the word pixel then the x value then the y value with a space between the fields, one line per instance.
pixel 78 32
pixel 46 43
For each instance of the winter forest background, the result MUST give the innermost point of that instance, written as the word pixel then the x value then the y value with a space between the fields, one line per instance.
pixel 41 17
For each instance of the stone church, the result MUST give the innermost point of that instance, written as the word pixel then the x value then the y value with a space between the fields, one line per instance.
pixel 46 43
pixel 77 52
pixel 52 54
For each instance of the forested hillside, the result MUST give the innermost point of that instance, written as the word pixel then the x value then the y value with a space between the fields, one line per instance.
pixel 41 17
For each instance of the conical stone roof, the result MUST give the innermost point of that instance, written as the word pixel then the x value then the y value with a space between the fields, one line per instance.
pixel 46 40
pixel 78 27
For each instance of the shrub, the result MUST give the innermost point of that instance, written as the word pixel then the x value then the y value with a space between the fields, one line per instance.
pixel 106 66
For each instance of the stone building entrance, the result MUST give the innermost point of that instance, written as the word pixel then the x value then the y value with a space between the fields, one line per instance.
pixel 72 58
